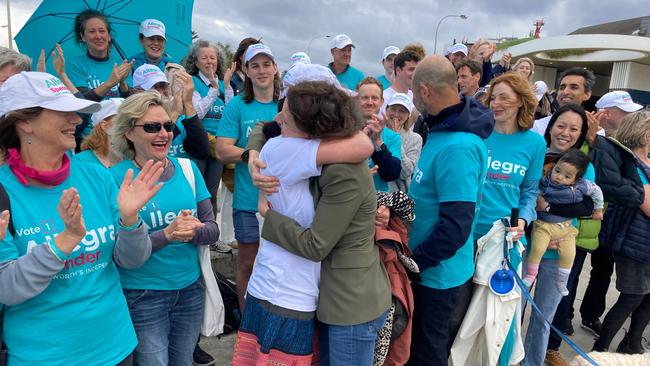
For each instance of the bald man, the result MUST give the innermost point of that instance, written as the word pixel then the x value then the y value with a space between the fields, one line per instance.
pixel 446 187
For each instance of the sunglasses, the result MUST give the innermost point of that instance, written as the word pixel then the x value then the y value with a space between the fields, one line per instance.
pixel 154 127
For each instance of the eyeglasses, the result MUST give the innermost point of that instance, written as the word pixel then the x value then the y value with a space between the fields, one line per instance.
pixel 154 127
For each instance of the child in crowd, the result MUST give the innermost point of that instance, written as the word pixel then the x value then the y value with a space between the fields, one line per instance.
pixel 564 184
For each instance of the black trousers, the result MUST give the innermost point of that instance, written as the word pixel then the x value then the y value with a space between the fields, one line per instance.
pixel 636 305
pixel 564 310
pixel 602 267
pixel 431 320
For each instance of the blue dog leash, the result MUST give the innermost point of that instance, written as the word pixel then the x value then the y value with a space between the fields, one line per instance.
pixel 528 296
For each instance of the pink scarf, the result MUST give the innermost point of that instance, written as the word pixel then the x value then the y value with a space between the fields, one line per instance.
pixel 50 178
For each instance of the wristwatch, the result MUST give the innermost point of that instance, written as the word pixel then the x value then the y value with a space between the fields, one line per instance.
pixel 244 156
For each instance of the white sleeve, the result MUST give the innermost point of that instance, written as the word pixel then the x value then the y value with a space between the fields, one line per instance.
pixel 203 105
pixel 298 159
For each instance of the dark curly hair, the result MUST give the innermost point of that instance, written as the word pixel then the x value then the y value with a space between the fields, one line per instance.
pixel 322 110
pixel 80 24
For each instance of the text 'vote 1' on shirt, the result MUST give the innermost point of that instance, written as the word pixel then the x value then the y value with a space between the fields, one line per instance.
pixel 85 290
pixel 237 123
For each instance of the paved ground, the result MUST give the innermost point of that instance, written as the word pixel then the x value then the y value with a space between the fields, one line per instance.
pixel 221 348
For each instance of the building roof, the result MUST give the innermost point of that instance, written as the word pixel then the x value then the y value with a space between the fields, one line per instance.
pixel 636 26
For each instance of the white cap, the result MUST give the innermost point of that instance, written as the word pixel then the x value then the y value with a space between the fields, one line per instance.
pixel 309 72
pixel 299 58
pixel 401 99
pixel 458 47
pixel 146 76
pixel 540 89
pixel 152 27
pixel 620 99
pixel 109 108
pixel 390 50
pixel 256 49
pixel 38 89
pixel 340 41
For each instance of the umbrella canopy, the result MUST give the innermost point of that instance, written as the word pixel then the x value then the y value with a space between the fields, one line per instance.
pixel 53 22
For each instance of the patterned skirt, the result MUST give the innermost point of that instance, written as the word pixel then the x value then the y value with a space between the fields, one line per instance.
pixel 272 335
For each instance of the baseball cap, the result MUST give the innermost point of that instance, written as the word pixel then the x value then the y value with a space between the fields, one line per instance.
pixel 152 27
pixel 256 49
pixel 540 89
pixel 620 99
pixel 39 89
pixel 401 99
pixel 458 47
pixel 390 50
pixel 146 76
pixel 309 72
pixel 340 41
pixel 109 108
pixel 299 58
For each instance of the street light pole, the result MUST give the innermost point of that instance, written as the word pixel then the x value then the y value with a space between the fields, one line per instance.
pixel 11 43
pixel 435 44
pixel 311 40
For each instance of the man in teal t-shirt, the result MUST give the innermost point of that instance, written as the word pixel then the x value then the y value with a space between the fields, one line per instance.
pixel 386 160
pixel 341 51
pixel 446 188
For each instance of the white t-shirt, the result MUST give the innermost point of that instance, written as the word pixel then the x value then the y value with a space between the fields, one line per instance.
pixel 540 125
pixel 388 95
pixel 280 277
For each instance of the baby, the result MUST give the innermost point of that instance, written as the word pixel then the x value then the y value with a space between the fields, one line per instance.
pixel 564 184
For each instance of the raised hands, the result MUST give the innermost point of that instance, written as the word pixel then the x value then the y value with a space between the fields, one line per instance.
pixel 4 223
pixel 40 65
pixel 120 72
pixel 183 228
pixel 74 230
pixel 229 73
pixel 505 60
pixel 593 119
pixel 135 193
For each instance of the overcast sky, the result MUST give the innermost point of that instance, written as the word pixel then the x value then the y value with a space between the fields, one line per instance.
pixel 288 26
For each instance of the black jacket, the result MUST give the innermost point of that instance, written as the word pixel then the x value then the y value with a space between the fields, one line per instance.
pixel 626 231
pixel 616 173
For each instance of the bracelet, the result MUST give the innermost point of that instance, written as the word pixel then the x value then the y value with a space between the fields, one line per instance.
pixel 57 252
pixel 132 227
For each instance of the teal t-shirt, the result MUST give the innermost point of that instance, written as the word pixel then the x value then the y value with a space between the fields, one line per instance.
pixel 393 142
pixel 385 83
pixel 87 156
pixel 141 59
pixel 176 149
pixel 451 168
pixel 175 266
pixel 81 318
pixel 350 77
pixel 214 114
pixel 644 180
pixel 512 160
pixel 590 174
pixel 237 122
pixel 88 73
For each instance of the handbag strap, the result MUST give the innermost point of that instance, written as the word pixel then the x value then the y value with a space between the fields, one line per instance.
pixel 186 166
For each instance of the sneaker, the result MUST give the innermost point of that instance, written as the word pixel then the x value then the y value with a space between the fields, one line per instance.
pixel 221 247
pixel 233 244
pixel 593 326
pixel 554 358
pixel 202 358
pixel 568 329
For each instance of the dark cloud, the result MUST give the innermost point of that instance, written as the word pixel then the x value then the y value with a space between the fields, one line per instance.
pixel 288 26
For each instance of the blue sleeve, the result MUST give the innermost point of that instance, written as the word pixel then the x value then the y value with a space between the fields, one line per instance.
pixel 450 234
pixel 528 200
pixel 487 73
pixel 229 124
pixel 388 167
pixel 642 176
pixel 75 71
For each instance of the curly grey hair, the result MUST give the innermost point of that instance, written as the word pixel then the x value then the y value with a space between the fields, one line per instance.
pixel 189 62
pixel 18 60
pixel 132 109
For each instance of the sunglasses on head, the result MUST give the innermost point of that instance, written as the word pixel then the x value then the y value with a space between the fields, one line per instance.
pixel 154 127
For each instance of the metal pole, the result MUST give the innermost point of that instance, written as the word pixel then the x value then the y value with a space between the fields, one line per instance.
pixel 311 40
pixel 11 42
pixel 435 44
